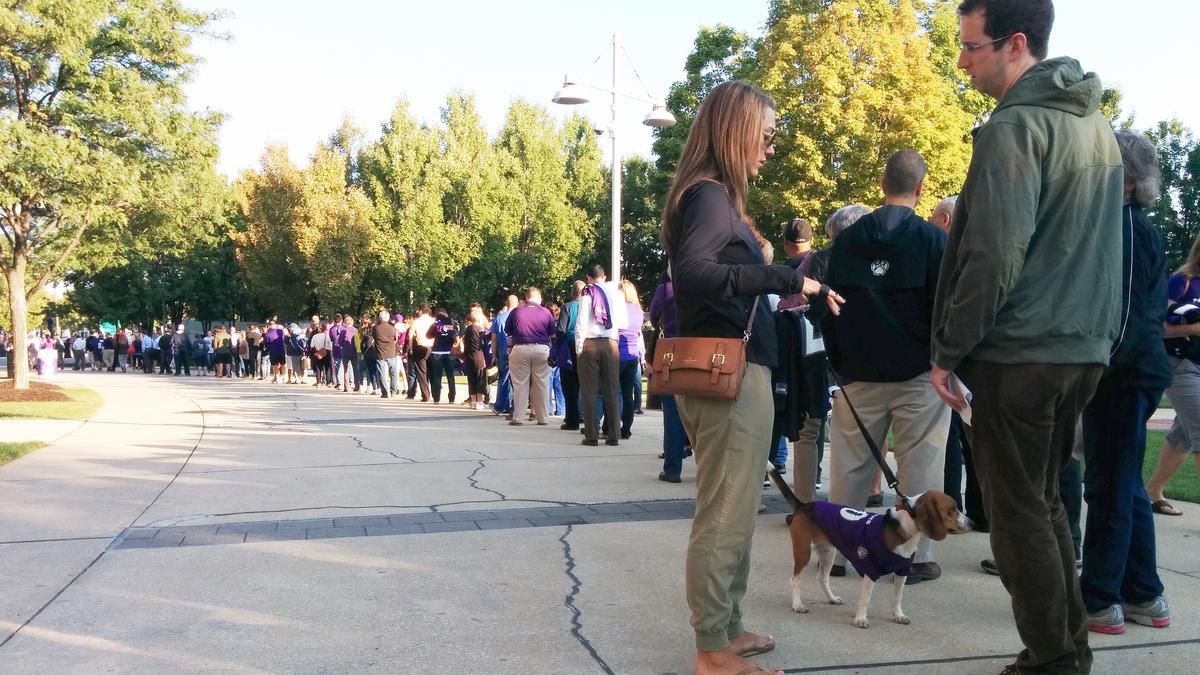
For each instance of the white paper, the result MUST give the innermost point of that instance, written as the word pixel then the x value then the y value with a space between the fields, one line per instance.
pixel 957 387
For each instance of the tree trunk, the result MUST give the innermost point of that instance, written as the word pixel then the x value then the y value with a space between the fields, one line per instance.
pixel 19 356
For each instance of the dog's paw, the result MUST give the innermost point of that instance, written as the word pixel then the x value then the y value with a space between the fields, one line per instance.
pixel 902 618
pixel 799 607
pixel 835 599
pixel 861 622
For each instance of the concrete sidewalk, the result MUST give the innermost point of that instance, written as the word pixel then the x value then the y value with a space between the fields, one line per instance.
pixel 197 525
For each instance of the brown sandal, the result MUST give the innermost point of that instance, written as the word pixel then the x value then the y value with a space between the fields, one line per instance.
pixel 1163 508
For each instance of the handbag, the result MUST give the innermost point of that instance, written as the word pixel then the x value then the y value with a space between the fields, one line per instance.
pixel 701 366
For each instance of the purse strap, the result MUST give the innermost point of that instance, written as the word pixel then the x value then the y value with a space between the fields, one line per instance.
pixel 750 323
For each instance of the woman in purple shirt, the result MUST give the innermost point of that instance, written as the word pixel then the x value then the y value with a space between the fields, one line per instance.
pixel 632 350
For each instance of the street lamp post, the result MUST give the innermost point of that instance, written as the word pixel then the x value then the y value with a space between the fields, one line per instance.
pixel 572 94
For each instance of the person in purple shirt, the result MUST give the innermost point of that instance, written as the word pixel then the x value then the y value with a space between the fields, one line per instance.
pixel 530 327
pixel 336 331
pixel 347 368
pixel 632 351
pixel 273 340
pixel 676 446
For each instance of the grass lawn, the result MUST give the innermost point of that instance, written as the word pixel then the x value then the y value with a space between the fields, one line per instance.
pixel 11 451
pixel 83 404
pixel 1185 485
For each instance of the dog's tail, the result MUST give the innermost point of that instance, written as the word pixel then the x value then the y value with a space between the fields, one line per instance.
pixel 784 490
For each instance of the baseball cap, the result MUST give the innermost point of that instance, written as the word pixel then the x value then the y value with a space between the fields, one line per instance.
pixel 798 231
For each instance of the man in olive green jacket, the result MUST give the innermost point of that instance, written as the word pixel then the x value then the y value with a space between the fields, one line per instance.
pixel 1028 305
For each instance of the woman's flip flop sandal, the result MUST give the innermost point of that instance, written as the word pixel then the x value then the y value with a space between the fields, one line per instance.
pixel 1161 507
pixel 763 647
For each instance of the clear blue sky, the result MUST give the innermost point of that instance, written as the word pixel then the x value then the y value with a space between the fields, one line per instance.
pixel 294 67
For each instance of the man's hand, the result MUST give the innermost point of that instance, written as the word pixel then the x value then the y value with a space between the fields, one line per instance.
pixel 941 384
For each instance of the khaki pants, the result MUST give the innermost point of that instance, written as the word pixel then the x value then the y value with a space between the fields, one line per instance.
pixel 530 372
pixel 805 460
pixel 599 373
pixel 920 423
pixel 731 440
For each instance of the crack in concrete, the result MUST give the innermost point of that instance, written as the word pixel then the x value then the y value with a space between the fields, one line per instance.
pixel 569 602
pixel 364 446
pixel 475 483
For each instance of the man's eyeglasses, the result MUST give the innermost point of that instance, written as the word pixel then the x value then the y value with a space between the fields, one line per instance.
pixel 968 47
pixel 768 138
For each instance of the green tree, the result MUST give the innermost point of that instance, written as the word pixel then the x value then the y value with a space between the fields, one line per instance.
pixel 268 253
pixel 479 205
pixel 854 81
pixel 1177 213
pixel 551 233
pixel 719 53
pixel 641 211
pixel 91 106
pixel 402 175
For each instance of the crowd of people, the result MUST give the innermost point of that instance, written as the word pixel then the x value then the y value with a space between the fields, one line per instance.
pixel 966 341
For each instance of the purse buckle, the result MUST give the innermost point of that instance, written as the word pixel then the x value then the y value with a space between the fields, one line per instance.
pixel 717 363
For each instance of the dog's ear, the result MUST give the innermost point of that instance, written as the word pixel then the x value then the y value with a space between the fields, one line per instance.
pixel 929 518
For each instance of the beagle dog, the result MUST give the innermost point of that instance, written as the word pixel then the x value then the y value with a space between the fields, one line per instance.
pixel 876 544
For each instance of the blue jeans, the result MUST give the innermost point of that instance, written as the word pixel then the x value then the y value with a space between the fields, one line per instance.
pixel 439 364
pixel 338 361
pixel 389 375
pixel 628 376
pixel 558 405
pixel 674 437
pixel 503 402
pixel 637 389
pixel 779 453
pixel 1119 562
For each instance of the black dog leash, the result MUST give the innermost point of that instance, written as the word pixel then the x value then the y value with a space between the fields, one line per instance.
pixel 888 474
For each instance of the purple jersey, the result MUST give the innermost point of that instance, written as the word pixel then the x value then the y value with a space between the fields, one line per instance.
pixel 858 536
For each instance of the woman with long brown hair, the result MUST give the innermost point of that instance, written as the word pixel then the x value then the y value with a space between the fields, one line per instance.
pixel 719 275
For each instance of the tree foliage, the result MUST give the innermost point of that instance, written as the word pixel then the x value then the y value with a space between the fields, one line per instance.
pixel 91 112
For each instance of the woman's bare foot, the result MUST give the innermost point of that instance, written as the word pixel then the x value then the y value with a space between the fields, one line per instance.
pixel 750 644
pixel 725 662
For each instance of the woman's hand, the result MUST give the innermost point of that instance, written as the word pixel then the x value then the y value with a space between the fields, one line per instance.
pixel 814 289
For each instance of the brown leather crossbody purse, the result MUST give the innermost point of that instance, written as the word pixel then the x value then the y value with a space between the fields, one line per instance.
pixel 701 366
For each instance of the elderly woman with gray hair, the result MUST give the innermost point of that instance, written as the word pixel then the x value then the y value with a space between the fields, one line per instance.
pixel 1120 576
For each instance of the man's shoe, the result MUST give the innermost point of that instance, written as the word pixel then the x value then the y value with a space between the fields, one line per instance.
pixel 875 500
pixel 612 441
pixel 837 571
pixel 1109 621
pixel 1154 613
pixel 515 423
pixel 927 571
pixel 625 435
pixel 568 427
pixel 781 468
pixel 989 566
pixel 590 441
pixel 669 478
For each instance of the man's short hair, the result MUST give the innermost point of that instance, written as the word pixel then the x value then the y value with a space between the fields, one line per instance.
pixel 946 206
pixel 1002 18
pixel 533 292
pixel 384 316
pixel 596 272
pixel 799 231
pixel 904 172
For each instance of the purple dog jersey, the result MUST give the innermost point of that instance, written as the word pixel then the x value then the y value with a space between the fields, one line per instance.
pixel 858 536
